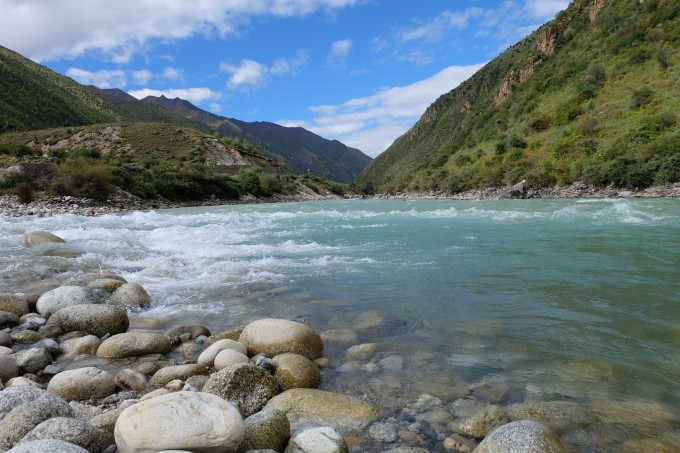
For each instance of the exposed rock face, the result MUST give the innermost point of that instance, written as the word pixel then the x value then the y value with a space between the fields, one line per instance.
pixel 515 78
pixel 524 436
pixel 547 37
pixel 278 336
pixel 251 385
pixel 192 421
pixel 595 7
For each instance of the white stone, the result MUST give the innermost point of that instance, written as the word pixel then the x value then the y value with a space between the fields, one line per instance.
pixel 317 440
pixel 228 357
pixel 207 357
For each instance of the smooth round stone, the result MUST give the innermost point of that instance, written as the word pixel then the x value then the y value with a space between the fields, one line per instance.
pixel 266 430
pixel 26 337
pixel 33 360
pixel 193 331
pixel 362 351
pixel 322 439
pixel 207 357
pixel 65 296
pixel 154 394
pixel 82 384
pixel 368 320
pixel 108 284
pixel 80 346
pixel 249 384
pixel 132 295
pixel 73 430
pixel 296 371
pixel 107 422
pixel 277 336
pixel 134 344
pixel 16 396
pixel 324 408
pixel 181 372
pixel 6 339
pixel 8 368
pixel 479 425
pixel 22 382
pixel 36 238
pixel 228 357
pixel 231 334
pixel 128 379
pixel 341 336
pixel 145 324
pixel 22 419
pixel 526 436
pixel 8 319
pixel 47 446
pixel 14 303
pixel 94 319
pixel 4 350
pixel 192 421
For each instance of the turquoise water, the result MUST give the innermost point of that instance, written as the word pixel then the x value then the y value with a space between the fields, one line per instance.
pixel 484 301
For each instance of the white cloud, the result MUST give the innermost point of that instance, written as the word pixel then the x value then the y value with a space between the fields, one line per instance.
pixel 102 79
pixel 339 52
pixel 437 28
pixel 173 74
pixel 372 123
pixel 251 75
pixel 193 95
pixel 544 9
pixel 248 75
pixel 48 30
pixel 142 77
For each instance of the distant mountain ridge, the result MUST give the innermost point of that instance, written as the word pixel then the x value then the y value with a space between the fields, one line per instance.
pixel 592 96
pixel 301 150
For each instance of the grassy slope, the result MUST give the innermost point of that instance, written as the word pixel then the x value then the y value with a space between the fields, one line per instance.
pixel 601 109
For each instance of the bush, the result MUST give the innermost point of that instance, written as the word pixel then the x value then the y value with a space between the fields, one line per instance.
pixel 14 149
pixel 83 179
pixel 24 191
pixel 249 181
pixel 641 97
pixel 664 57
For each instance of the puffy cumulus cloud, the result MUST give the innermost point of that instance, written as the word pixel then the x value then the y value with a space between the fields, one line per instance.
pixel 142 77
pixel 544 9
pixel 438 27
pixel 102 79
pixel 173 74
pixel 47 30
pixel 339 52
pixel 193 95
pixel 250 75
pixel 372 123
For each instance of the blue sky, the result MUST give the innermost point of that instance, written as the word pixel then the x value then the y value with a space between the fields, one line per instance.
pixel 360 71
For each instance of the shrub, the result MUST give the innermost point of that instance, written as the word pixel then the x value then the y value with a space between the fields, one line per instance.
pixel 83 179
pixel 24 191
pixel 541 123
pixel 664 57
pixel 641 97
pixel 249 181
pixel 14 149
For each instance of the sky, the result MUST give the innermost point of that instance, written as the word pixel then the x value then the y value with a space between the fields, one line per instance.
pixel 359 71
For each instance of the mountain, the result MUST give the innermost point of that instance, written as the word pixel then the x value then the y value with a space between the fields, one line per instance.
pixel 592 96
pixel 301 150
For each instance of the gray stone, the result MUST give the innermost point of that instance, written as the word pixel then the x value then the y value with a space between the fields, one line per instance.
pixel 26 337
pixel 73 430
pixel 344 412
pixel 8 368
pixel 82 384
pixel 47 446
pixel 132 295
pixel 481 424
pixel 519 190
pixel 36 238
pixel 193 331
pixel 278 336
pixel 16 396
pixel 6 339
pixel 192 421
pixel 65 296
pixel 181 372
pixel 22 419
pixel 51 346
pixel 523 436
pixel 317 440
pixel 128 379
pixel 14 303
pixel 250 385
pixel 80 346
pixel 266 430
pixel 8 319
pixel 94 319
pixel 383 431
pixel 33 360
pixel 134 344
pixel 106 422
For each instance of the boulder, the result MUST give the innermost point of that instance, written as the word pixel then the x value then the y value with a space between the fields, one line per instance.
pixel 33 360
pixel 22 419
pixel 526 436
pixel 35 238
pixel 47 446
pixel 8 368
pixel 192 421
pixel 266 430
pixel 22 381
pixel 80 346
pixel 251 385
pixel 277 336
pixel 107 423
pixel 346 413
pixel 128 379
pixel 82 384
pixel 519 190
pixel 65 296
pixel 26 336
pixel 207 357
pixel 296 371
pixel 73 430
pixel 228 357
pixel 322 439
pixel 16 396
pixel 6 339
pixel 95 319
pixel 481 424
pixel 14 303
pixel 181 372
pixel 132 295
pixel 132 344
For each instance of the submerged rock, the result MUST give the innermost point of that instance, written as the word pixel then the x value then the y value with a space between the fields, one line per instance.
pixel 481 424
pixel 36 238
pixel 525 436
pixel 322 439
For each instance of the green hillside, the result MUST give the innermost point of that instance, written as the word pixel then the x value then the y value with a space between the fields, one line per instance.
pixel 592 96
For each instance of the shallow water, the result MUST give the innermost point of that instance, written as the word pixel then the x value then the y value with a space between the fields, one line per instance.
pixel 473 302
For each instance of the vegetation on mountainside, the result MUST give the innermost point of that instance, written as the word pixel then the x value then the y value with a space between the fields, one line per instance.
pixel 579 100
pixel 149 160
